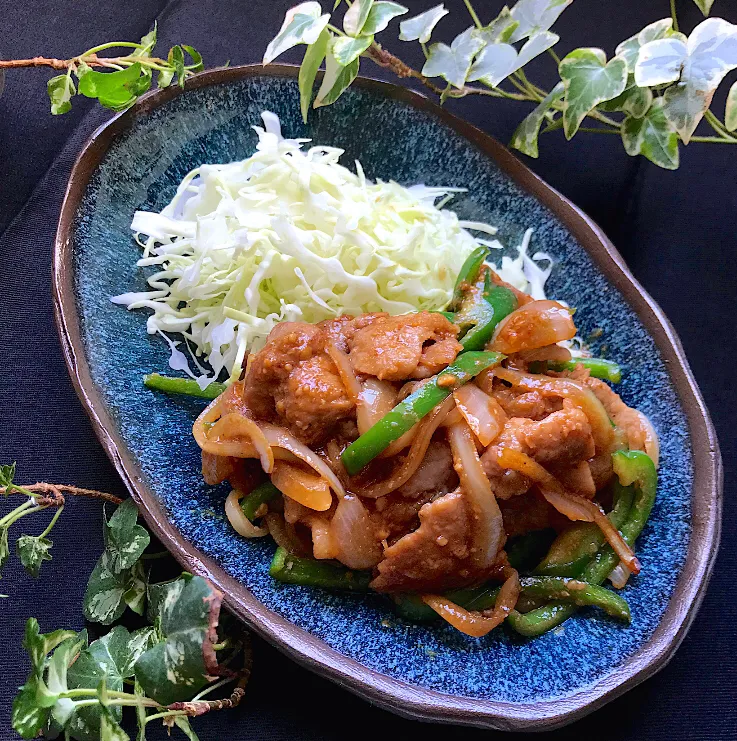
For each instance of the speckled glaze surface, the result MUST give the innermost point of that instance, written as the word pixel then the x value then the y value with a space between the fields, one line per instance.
pixel 500 680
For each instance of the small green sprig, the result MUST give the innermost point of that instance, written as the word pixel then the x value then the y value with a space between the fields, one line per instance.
pixel 123 79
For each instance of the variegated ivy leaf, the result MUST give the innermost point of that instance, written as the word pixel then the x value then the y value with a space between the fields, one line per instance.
pixel 314 55
pixel 453 62
pixel 652 136
pixel 336 79
pixel 302 25
pixel 630 48
pixel 711 52
pixel 379 16
pixel 356 16
pixel 497 61
pixel 704 5
pixel 347 48
pixel 525 137
pixel 500 30
pixel 634 101
pixel 660 62
pixel 730 112
pixel 420 27
pixel 589 80
pixel 536 15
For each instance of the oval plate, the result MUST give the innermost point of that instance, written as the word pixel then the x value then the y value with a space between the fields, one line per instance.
pixel 431 673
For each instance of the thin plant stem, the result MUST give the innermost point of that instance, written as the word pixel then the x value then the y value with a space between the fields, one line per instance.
pixel 14 516
pixel 473 15
pixel 165 714
pixel 50 526
pixel 673 14
pixel 112 45
pixel 556 58
pixel 713 140
pixel 26 505
pixel 717 125
pixel 212 688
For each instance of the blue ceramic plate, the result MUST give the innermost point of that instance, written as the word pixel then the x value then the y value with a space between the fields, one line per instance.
pixel 136 162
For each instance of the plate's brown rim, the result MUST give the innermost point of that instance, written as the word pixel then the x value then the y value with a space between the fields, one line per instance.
pixel 395 695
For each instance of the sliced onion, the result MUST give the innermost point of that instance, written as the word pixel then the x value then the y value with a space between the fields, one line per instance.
pixel 322 539
pixel 425 430
pixel 573 507
pixel 477 624
pixel 477 409
pixel 453 418
pixel 487 531
pixel 353 535
pixel 619 576
pixel 284 534
pixel 549 352
pixel 375 399
pixel 241 524
pixel 582 397
pixel 536 324
pixel 309 490
pixel 234 425
pixel 345 370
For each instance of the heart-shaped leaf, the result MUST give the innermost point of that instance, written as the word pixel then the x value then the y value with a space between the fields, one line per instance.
pixel 356 16
pixel 380 15
pixel 125 540
pixel 634 101
pixel 302 25
pixel 526 135
pixel 346 48
pixel 336 79
pixel 589 80
pixel 314 54
pixel 536 15
pixel 453 62
pixel 61 90
pixel 652 136
pixel 500 30
pixel 630 48
pixel 660 62
pixel 112 89
pixel 7 474
pixel 33 551
pixel 420 27
pixel 497 61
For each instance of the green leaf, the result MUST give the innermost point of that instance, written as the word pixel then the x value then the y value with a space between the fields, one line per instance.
pixel 346 48
pixel 196 58
pixel 110 729
pixel 302 25
pixel 138 643
pixel 104 660
pixel 534 16
pixel 453 62
pixel 135 589
pixel 61 90
pixel 7 474
pixel 33 551
pixel 730 121
pixel 175 668
pixel 165 77
pixel 176 61
pixel 380 15
pixel 420 27
pixel 4 548
pixel 659 62
pixel 497 61
pixel 314 54
pixel 704 5
pixel 500 30
pixel 588 81
pixel 142 84
pixel 711 52
pixel 39 645
pixel 183 724
pixel 125 540
pixel 652 136
pixel 525 137
pixel 56 680
pixel 27 717
pixel 104 599
pixel 111 88
pixel 336 78
pixel 630 48
pixel 356 15
pixel 634 101
pixel 148 42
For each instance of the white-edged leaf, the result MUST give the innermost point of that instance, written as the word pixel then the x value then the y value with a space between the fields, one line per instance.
pixel 314 54
pixel 380 15
pixel 652 136
pixel 525 136
pixel 630 48
pixel 420 27
pixel 730 111
pixel 356 16
pixel 500 30
pixel 589 80
pixel 347 48
pixel 302 25
pixel 498 61
pixel 634 101
pixel 453 62
pixel 712 53
pixel 336 78
pixel 704 5
pixel 660 62
pixel 536 15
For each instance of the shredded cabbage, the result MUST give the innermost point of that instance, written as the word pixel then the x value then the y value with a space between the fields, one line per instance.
pixel 290 234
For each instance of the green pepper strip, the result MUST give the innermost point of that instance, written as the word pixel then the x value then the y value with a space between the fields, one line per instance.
pixel 417 405
pixel 186 386
pixel 607 370
pixel 578 592
pixel 468 272
pixel 449 315
pixel 525 551
pixel 482 311
pixel 632 467
pixel 309 572
pixel 263 493
pixel 574 548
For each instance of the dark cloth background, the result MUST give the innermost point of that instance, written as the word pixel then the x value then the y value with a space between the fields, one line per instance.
pixel 675 229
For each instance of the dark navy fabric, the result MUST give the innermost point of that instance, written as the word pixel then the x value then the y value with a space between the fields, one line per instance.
pixel 676 231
